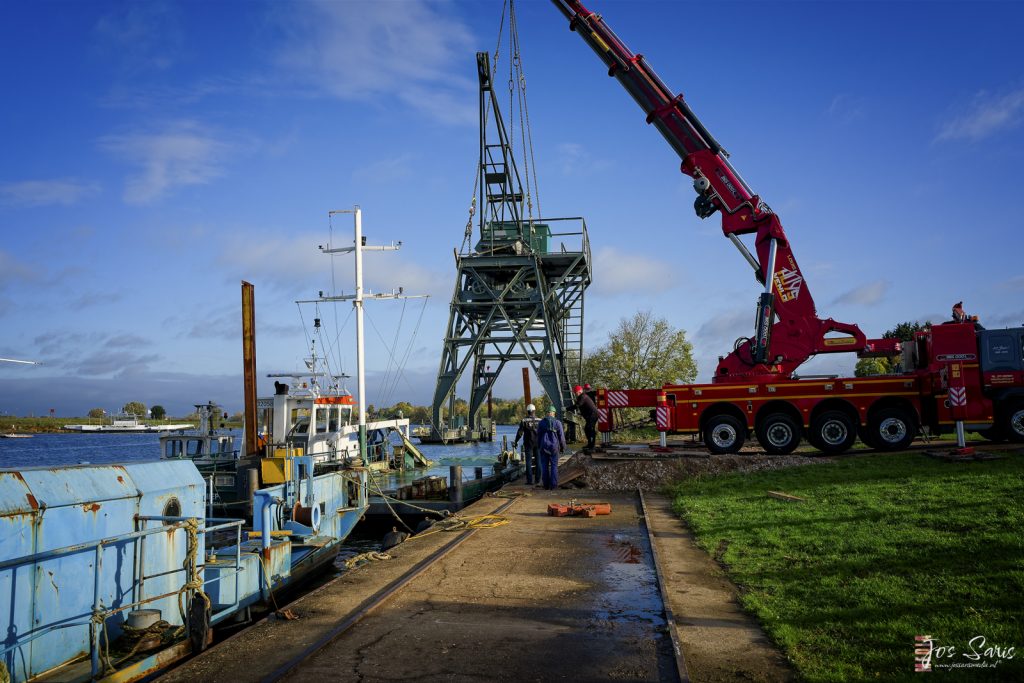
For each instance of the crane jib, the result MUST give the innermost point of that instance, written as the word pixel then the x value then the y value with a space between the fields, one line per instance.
pixel 721 189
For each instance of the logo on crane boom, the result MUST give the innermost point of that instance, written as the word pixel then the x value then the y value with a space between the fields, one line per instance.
pixel 788 283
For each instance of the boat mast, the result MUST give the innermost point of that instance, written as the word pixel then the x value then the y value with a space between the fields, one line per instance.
pixel 358 247
pixel 358 303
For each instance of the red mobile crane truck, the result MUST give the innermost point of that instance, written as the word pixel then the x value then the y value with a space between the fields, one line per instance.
pixel 954 372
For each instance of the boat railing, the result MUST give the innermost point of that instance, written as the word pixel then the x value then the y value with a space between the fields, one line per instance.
pixel 226 456
pixel 97 618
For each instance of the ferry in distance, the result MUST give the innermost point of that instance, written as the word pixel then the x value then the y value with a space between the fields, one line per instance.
pixel 127 424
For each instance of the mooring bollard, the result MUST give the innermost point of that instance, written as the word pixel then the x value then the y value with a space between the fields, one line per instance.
pixel 455 487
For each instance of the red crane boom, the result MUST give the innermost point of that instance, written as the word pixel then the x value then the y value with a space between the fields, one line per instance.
pixel 788 330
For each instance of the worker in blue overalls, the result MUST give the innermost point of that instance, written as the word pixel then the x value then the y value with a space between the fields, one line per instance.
pixel 527 432
pixel 551 438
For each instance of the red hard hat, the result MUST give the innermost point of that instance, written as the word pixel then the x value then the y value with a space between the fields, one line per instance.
pixel 586 386
pixel 577 389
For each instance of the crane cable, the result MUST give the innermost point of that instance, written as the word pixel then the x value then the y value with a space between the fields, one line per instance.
pixel 517 77
pixel 516 82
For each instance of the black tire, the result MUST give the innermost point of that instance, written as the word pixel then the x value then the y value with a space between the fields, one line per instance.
pixel 778 434
pixel 865 435
pixel 724 434
pixel 891 429
pixel 832 432
pixel 1012 424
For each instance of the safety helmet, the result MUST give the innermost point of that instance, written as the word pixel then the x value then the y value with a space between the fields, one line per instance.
pixel 586 387
pixel 577 389
pixel 531 408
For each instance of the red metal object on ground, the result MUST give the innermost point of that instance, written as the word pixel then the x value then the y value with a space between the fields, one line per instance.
pixel 579 509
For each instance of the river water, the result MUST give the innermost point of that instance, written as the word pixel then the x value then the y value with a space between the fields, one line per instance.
pixel 54 450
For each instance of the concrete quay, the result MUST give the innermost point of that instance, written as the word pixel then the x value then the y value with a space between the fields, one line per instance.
pixel 539 598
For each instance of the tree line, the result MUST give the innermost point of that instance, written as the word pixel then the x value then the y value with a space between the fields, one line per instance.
pixel 643 351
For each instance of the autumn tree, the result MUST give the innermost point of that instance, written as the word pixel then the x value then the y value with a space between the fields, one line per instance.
pixel 97 412
pixel 134 408
pixel 904 332
pixel 643 352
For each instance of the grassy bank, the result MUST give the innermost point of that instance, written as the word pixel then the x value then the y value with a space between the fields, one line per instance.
pixel 883 548
pixel 44 425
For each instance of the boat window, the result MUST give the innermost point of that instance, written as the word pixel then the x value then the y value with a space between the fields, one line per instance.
pixel 225 445
pixel 195 446
pixel 301 426
pixel 321 419
pixel 174 448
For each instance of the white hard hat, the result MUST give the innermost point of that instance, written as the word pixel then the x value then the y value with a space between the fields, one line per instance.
pixel 531 408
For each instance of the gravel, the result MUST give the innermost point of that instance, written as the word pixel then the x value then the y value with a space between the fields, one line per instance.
pixel 655 473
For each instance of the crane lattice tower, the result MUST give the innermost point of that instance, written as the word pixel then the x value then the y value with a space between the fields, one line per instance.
pixel 519 290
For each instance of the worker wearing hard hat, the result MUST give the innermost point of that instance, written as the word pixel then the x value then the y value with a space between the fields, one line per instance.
pixel 585 406
pixel 527 432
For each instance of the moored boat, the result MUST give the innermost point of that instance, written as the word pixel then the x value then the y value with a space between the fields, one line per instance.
pixel 126 424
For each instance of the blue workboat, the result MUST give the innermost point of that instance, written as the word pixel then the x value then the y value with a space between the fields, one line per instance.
pixel 113 572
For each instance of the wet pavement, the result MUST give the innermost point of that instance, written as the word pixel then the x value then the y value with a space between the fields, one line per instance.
pixel 538 599
pixel 541 598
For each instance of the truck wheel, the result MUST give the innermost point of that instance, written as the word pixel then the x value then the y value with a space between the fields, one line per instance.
pixel 868 438
pixel 833 432
pixel 778 434
pixel 891 429
pixel 724 434
pixel 1013 425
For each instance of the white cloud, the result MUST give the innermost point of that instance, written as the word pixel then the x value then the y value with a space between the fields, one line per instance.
pixel 1015 283
pixel 379 51
pixel 182 153
pixel 987 115
pixel 617 272
pixel 108 362
pixel 127 340
pixel 846 108
pixel 575 159
pixel 12 271
pixel 65 191
pixel 385 170
pixel 865 295
pixel 385 272
pixel 142 35
pixel 92 298
pixel 1013 319
pixel 277 260
pixel 726 326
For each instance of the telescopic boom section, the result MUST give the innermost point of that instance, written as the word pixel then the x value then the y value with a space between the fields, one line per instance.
pixel 788 330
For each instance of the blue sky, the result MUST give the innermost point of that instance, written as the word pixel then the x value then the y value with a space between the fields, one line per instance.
pixel 156 153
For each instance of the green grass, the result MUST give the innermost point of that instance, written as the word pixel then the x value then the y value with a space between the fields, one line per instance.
pixel 883 548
